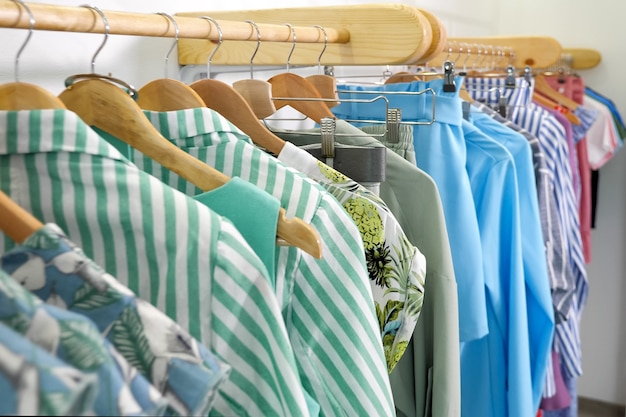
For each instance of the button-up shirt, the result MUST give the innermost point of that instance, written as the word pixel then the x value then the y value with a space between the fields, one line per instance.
pixel 164 246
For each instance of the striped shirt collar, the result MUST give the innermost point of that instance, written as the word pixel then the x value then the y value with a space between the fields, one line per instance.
pixel 51 128
pixel 188 123
pixel 486 90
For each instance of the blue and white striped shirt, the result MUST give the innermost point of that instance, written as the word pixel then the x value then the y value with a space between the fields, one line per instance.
pixel 551 135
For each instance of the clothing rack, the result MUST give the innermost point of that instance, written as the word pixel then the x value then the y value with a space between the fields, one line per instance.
pixel 380 34
pixel 82 19
pixel 519 51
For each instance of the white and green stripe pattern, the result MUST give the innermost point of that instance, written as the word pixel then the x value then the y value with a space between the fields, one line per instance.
pixel 327 304
pixel 166 247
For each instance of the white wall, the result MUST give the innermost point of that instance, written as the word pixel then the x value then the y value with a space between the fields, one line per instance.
pixel 50 57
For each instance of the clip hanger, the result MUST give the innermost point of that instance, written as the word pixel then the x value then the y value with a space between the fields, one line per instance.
pixel 449 86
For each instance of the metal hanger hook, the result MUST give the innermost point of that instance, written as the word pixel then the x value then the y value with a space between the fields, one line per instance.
pixel 31 22
pixel 177 30
pixel 220 38
pixel 319 58
pixel 468 52
pixel 293 44
pixel 107 30
pixel 256 49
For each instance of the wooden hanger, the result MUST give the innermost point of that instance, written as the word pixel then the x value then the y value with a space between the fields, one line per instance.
pixel 15 221
pixel 258 93
pixel 542 87
pixel 104 105
pixel 288 85
pixel 167 94
pixel 325 84
pixel 26 96
pixel 225 100
pixel 538 98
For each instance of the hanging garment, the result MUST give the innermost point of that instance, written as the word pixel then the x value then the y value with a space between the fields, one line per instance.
pixel 441 141
pixel 165 247
pixel 554 241
pixel 426 381
pixel 551 136
pixel 505 351
pixel 621 129
pixel 253 212
pixel 582 179
pixel 573 87
pixel 181 369
pixel 403 147
pixel 396 268
pixel 327 303
pixel 561 398
pixel 602 137
pixel 539 306
pixel 75 339
pixel 35 382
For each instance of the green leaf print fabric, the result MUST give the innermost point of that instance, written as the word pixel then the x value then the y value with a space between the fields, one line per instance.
pixel 35 382
pixel 75 340
pixel 183 371
pixel 396 268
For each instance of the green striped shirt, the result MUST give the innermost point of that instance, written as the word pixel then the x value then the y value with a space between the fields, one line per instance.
pixel 166 247
pixel 327 304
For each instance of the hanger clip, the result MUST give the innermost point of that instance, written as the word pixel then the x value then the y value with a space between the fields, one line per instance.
pixel 509 82
pixel 329 70
pixel 448 76
pixel 328 126
pixel 502 106
pixel 528 76
pixel 394 118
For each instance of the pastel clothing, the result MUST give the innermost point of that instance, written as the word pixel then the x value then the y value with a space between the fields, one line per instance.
pixel 326 304
pixel 396 268
pixel 432 143
pixel 426 381
pixel 165 247
pixel 181 370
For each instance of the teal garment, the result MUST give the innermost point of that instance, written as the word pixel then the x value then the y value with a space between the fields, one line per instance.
pixel 76 340
pixel 34 382
pixel 168 249
pixel 326 303
pixel 182 370
pixel 253 212
pixel 426 381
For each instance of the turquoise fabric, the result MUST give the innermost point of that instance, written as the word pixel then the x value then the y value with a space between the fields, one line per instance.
pixel 254 213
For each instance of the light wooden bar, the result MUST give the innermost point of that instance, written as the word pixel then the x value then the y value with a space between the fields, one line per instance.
pixel 534 51
pixel 380 34
pixel 82 19
pixel 582 58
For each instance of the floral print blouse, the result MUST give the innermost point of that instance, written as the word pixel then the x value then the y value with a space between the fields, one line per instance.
pixel 397 269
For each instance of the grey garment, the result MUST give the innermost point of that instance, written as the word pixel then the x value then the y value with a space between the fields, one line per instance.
pixel 553 234
pixel 427 380
pixel 403 147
